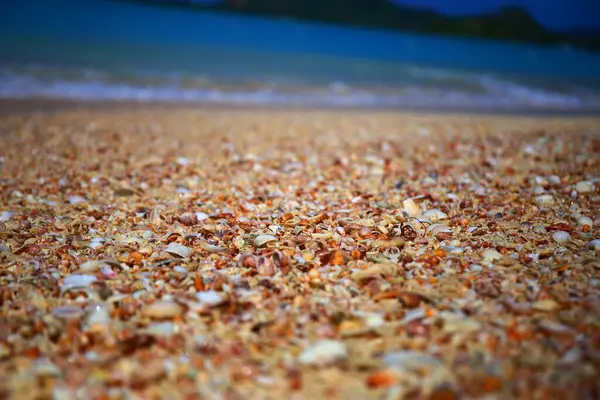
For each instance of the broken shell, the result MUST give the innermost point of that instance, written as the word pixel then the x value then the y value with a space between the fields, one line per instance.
pixel 162 309
pixel 410 208
pixel 265 266
pixel 262 240
pixel 323 353
pixel 211 248
pixel 435 215
pixel 179 250
pixel 560 236
pixel 491 255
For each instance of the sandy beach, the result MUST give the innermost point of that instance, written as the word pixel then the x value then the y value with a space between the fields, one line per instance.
pixel 235 253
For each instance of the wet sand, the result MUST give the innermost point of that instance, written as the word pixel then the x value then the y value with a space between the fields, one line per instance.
pixel 218 252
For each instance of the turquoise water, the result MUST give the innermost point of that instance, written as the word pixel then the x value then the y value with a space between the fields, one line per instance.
pixel 98 49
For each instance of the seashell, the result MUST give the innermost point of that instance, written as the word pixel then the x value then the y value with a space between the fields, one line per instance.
pixel 179 250
pixel 247 260
pixel 91 266
pixel 188 219
pixel 593 244
pixel 77 200
pixel 210 298
pixel 265 266
pixel 584 187
pixel 98 317
pixel 491 255
pixel 211 248
pixel 411 208
pixel 161 329
pixel 545 200
pixel 435 215
pixel 411 361
pixel 200 216
pixel 585 221
pixel 5 216
pixel 162 309
pixel 323 353
pixel 77 281
pixel 560 236
pixel 69 313
pixel 547 305
pixel 262 240
pixel 376 271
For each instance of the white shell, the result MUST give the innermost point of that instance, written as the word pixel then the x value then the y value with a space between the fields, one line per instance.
pixel 211 248
pixel 179 250
pixel 583 221
pixel 560 236
pixel 323 352
pixel 77 199
pixel 91 266
pixel 5 216
pixel 210 298
pixel 491 255
pixel 261 240
pixel 435 215
pixel 411 208
pixel 77 281
pixel 67 312
pixel 594 244
pixel 545 200
pixel 584 187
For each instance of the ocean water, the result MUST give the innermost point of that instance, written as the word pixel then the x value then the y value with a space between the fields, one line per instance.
pixel 105 50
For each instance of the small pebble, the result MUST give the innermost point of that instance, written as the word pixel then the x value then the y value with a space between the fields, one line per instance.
pixel 560 236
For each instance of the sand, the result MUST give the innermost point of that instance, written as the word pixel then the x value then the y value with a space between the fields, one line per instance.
pixel 211 252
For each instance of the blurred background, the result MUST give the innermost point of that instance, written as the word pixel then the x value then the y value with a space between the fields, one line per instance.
pixel 493 55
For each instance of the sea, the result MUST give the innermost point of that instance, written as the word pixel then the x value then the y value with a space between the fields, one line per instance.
pixel 119 50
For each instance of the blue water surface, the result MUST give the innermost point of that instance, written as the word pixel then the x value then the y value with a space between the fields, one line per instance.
pixel 110 49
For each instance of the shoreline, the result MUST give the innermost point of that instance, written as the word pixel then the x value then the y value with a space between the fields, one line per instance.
pixel 18 106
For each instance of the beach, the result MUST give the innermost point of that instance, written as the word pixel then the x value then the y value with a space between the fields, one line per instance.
pixel 185 251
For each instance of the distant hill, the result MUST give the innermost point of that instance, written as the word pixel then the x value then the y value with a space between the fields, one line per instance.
pixel 510 23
